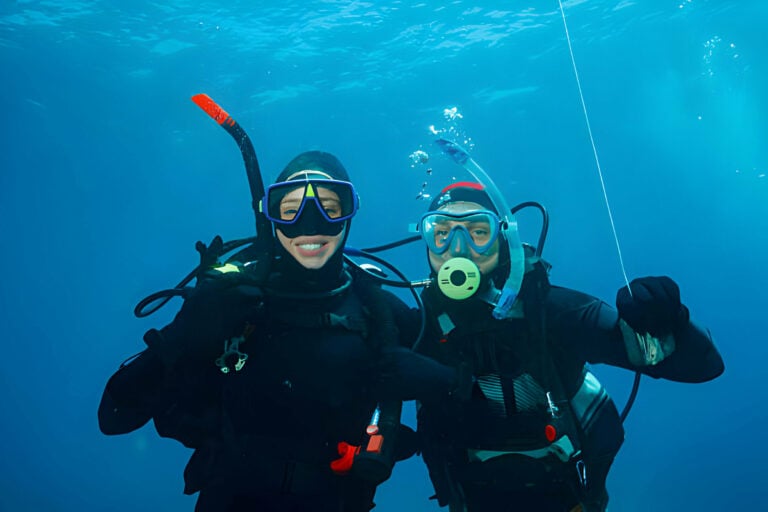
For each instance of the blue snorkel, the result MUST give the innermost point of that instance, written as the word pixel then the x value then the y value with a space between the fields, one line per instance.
pixel 505 299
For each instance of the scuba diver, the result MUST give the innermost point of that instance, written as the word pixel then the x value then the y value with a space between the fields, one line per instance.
pixel 286 383
pixel 539 432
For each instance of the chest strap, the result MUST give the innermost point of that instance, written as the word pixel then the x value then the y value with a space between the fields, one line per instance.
pixel 352 323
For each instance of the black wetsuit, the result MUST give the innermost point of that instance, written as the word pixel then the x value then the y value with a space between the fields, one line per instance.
pixel 495 452
pixel 264 436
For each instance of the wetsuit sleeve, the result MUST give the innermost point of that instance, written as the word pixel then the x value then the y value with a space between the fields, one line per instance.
pixel 591 329
pixel 405 375
pixel 181 401
pixel 163 384
pixel 408 321
pixel 173 374
pixel 126 403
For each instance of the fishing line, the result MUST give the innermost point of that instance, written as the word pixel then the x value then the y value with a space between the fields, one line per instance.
pixel 594 147
pixel 638 374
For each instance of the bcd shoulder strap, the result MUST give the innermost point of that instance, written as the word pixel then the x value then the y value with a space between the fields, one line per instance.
pixel 378 312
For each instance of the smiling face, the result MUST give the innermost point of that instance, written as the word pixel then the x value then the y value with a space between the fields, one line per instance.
pixel 312 251
pixel 486 262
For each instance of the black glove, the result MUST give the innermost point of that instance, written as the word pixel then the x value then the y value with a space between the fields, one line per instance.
pixel 215 310
pixel 654 306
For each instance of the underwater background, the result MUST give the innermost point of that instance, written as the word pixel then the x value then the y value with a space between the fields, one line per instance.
pixel 109 174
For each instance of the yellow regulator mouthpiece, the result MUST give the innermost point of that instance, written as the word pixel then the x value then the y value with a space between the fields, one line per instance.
pixel 458 278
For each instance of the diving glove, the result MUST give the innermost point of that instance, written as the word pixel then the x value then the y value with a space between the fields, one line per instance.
pixel 653 307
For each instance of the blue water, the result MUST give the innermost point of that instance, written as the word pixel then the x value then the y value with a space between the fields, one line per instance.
pixel 109 174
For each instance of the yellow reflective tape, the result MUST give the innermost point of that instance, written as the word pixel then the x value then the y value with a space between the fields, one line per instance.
pixel 310 191
pixel 227 268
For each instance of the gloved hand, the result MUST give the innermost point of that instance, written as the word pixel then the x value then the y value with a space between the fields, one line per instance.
pixel 215 310
pixel 653 307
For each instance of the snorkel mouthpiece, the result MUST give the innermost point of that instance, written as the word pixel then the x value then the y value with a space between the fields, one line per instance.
pixel 503 306
pixel 458 278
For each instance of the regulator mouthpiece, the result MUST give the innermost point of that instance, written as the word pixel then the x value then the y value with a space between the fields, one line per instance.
pixel 458 278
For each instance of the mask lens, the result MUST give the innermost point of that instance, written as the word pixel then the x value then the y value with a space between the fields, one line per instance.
pixel 286 206
pixel 478 228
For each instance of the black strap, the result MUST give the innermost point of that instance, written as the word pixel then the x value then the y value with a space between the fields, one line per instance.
pixel 321 320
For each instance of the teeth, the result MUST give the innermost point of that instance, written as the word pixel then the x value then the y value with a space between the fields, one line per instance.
pixel 310 247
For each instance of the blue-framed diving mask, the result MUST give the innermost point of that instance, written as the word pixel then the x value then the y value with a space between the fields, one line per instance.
pixel 310 206
pixel 458 232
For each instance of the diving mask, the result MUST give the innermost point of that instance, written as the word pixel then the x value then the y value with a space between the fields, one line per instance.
pixel 319 205
pixel 459 231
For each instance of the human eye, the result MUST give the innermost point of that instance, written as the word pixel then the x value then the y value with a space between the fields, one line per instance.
pixel 288 210
pixel 441 230
pixel 332 208
pixel 480 231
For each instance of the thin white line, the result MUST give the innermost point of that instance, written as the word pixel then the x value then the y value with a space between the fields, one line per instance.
pixel 594 147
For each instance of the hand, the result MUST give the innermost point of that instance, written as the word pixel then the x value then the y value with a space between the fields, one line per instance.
pixel 653 307
pixel 217 309
pixel 220 299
